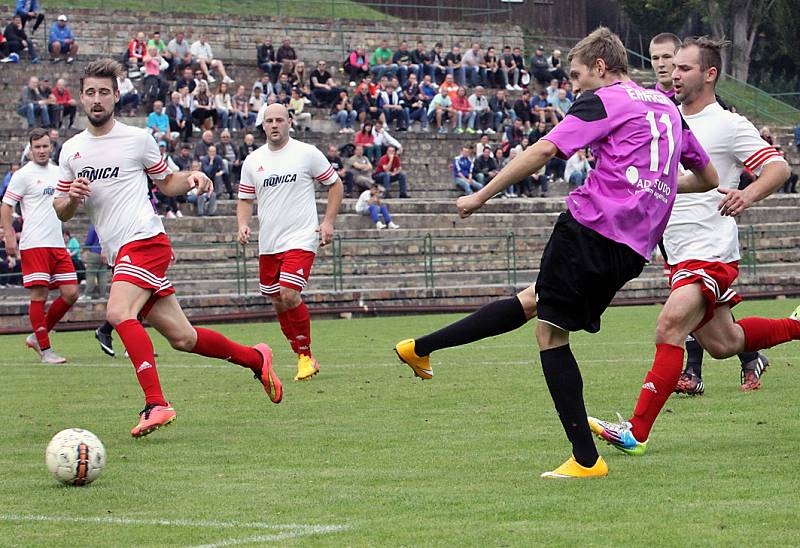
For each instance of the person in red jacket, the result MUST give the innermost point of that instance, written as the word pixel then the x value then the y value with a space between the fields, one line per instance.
pixel 389 170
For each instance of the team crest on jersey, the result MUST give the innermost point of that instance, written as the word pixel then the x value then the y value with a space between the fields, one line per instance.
pixel 96 173
pixel 275 180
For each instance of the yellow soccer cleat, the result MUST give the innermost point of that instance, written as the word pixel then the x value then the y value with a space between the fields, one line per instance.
pixel 307 367
pixel 571 469
pixel 421 366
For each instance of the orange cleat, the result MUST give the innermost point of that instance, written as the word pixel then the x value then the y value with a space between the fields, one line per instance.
pixel 152 418
pixel 267 376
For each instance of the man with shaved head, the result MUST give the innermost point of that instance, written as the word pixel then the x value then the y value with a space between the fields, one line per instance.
pixel 280 176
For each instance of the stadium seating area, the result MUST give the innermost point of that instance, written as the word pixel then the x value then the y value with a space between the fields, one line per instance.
pixel 436 261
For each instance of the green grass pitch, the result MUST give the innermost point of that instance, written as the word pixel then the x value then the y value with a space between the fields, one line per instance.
pixel 367 455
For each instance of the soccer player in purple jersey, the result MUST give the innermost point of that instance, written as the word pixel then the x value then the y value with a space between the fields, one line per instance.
pixel 610 228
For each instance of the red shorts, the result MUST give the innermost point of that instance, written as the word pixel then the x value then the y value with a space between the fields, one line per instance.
pixel 715 279
pixel 48 266
pixel 144 263
pixel 288 269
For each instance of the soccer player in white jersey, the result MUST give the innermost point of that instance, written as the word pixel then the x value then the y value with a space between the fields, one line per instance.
pixel 281 177
pixel 45 262
pixel 702 246
pixel 105 168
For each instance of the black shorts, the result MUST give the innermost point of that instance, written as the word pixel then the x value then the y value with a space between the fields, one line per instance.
pixel 580 273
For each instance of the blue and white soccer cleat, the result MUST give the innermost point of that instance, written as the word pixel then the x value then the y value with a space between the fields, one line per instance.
pixel 618 435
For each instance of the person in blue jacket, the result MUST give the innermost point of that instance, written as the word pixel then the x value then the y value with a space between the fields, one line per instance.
pixel 61 41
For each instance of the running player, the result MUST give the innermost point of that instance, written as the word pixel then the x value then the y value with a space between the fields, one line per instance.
pixel 662 56
pixel 609 231
pixel 280 176
pixel 105 167
pixel 45 262
pixel 702 246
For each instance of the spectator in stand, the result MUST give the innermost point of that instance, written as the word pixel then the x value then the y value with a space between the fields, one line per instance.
pixel 422 60
pixel 66 106
pixel 158 122
pixel 323 86
pixel 283 85
pixel 366 141
pixel 247 147
pixel 539 131
pixel 230 161
pixel 462 172
pixel 10 267
pixel 797 137
pixel 454 66
pixel 464 114
pixel 485 167
pixel 522 109
pixel 438 63
pixel 552 90
pixel 450 86
pixel 241 108
pixel 7 178
pixel 61 41
pixel 336 162
pixel 481 114
pixel 184 158
pixel 32 104
pixel 381 61
pixel 203 55
pixel 96 267
pixel 577 169
pixel 204 113
pixel 74 250
pixel 369 203
pixel 414 104
pixel 482 143
pixel 300 118
pixel 128 96
pixel 286 56
pixel 254 105
pixel 501 109
pixel 224 105
pixel 513 136
pixel 389 170
pixel 265 56
pixel 212 166
pixel 46 90
pixel 29 9
pixel 360 169
pixel 137 48
pixel 4 53
pixel 554 65
pixel 153 86
pixel 542 110
pixel 561 104
pixel 474 66
pixel 181 53
pixel 266 86
pixel 163 52
pixel 766 134
pixel 441 109
pixel 366 103
pixel 519 59
pixel 389 101
pixel 540 68
pixel 357 65
pixel 187 80
pixel 201 148
pixel 206 202
pixel 494 77
pixel 179 122
pixel 17 41
pixel 427 90
pixel 56 152
pixel 343 114
pixel 383 139
pixel 509 69
pixel 403 61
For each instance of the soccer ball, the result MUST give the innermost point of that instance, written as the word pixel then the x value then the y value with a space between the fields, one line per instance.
pixel 75 456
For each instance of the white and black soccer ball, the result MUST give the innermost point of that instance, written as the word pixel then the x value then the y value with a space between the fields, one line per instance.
pixel 75 456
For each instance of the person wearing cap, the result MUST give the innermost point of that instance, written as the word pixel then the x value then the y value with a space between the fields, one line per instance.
pixel 539 66
pixel 61 41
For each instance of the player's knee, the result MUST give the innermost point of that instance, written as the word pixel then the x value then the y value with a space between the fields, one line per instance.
pixel 670 329
pixel 184 342
pixel 290 297
pixel 70 294
pixel 117 315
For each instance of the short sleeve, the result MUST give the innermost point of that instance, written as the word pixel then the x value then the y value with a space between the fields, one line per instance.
pixel 585 123
pixel 14 192
pixel 693 155
pixel 321 169
pixel 65 174
pixel 750 149
pixel 247 182
pixel 153 161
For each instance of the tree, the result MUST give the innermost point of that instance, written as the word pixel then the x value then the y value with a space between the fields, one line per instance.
pixel 740 20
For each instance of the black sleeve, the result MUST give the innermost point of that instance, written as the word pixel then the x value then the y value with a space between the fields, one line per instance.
pixel 589 107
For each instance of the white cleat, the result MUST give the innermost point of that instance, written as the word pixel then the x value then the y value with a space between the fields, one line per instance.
pixel 51 358
pixel 33 343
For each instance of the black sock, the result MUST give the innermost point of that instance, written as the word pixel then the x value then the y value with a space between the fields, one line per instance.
pixel 106 328
pixel 566 388
pixel 493 319
pixel 746 357
pixel 694 356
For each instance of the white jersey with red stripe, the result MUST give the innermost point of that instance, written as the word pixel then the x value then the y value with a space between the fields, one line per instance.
pixel 117 165
pixel 282 182
pixel 696 230
pixel 33 187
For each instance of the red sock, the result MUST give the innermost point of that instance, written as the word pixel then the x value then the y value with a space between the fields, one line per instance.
pixel 140 350
pixel 214 345
pixel 39 324
pixel 286 327
pixel 300 321
pixel 659 383
pixel 761 333
pixel 56 311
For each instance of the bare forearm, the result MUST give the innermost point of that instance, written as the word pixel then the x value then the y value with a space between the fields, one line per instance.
pixel 6 219
pixel 244 211
pixel 335 195
pixel 65 208
pixel 699 180
pixel 772 177
pixel 528 162
pixel 176 184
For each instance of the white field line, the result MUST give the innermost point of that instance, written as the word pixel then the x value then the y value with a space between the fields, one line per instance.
pixel 291 530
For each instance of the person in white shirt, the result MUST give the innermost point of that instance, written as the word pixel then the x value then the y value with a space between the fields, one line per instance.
pixel 204 56
pixel 383 139
pixel 483 117
pixel 280 176
pixel 369 203
pixel 45 262
pixel 128 96
pixel 576 169
pixel 105 168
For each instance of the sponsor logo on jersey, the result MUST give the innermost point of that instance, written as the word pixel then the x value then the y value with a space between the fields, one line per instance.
pixel 125 259
pixel 48 191
pixel 260 169
pixel 275 180
pixel 97 173
pixel 76 155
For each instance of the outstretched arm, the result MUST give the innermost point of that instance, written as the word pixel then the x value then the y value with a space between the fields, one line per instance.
pixel 178 184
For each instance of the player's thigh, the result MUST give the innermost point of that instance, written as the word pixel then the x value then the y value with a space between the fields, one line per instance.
pixel 721 336
pixel 39 292
pixel 527 297
pixel 125 300
pixel 549 336
pixel 167 317
pixel 683 311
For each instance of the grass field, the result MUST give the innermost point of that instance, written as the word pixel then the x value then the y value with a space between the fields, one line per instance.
pixel 365 454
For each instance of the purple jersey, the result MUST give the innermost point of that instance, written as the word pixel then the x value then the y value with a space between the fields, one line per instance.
pixel 638 138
